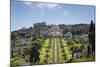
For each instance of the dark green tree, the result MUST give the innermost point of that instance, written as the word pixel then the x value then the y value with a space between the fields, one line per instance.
pixel 91 36
pixel 34 53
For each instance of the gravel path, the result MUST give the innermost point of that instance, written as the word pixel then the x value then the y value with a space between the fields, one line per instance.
pixel 55 51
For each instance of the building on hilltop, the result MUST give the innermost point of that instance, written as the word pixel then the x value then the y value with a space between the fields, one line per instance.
pixel 42 29
pixel 39 28
pixel 40 25
pixel 55 31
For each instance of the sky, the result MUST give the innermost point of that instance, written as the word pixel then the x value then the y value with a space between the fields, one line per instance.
pixel 26 13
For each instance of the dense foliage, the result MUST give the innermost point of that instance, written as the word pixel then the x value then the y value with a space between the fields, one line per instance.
pixel 33 46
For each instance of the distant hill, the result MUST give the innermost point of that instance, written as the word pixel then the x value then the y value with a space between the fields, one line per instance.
pixel 81 28
pixel 31 32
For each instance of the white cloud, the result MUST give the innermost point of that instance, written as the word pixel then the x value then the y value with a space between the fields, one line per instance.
pixel 28 3
pixel 44 5
pixel 40 5
pixel 65 12
pixel 51 6
pixel 48 5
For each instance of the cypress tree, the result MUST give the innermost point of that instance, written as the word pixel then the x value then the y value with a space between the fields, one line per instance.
pixel 91 36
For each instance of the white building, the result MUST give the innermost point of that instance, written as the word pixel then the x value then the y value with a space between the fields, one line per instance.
pixel 55 31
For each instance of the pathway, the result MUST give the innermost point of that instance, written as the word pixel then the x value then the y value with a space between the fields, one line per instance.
pixel 55 51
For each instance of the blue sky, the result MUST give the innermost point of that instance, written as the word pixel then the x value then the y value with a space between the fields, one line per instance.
pixel 25 14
